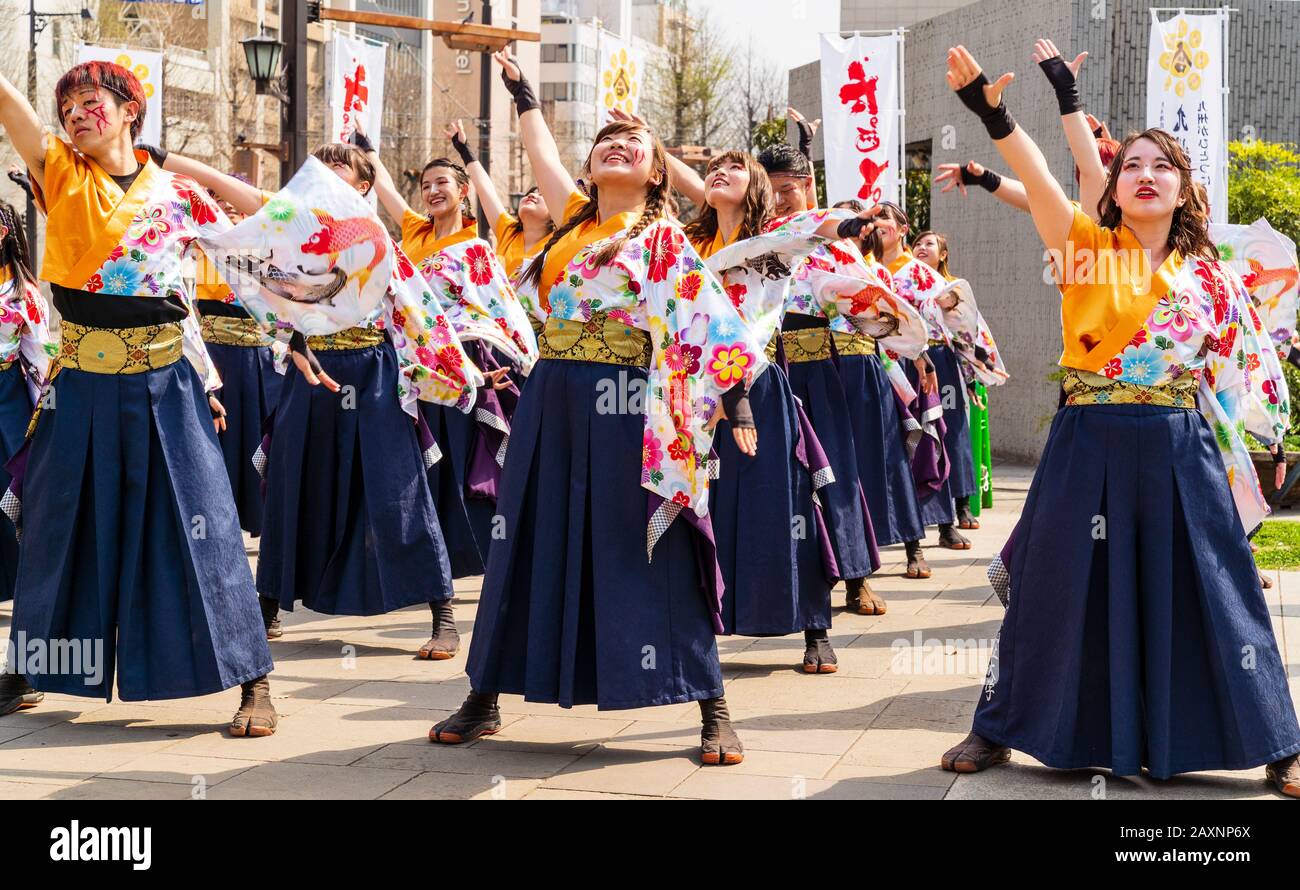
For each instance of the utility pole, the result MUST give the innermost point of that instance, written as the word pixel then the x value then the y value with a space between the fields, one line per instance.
pixel 485 116
pixel 293 117
pixel 30 221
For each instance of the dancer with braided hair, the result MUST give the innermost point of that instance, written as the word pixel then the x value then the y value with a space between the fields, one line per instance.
pixel 604 588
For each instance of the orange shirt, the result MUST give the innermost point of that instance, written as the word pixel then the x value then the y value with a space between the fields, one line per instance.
pixel 564 250
pixel 420 241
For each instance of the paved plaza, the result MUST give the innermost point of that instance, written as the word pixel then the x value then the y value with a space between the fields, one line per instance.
pixel 356 707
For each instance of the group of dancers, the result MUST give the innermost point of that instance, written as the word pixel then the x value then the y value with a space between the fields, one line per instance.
pixel 575 411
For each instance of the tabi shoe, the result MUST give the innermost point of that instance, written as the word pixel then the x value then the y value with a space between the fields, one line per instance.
pixel 974 753
pixel 256 716
pixel 445 642
pixel 478 716
pixel 719 744
pixel 860 598
pixel 966 519
pixel 952 539
pixel 1284 775
pixel 16 694
pixel 271 617
pixel 917 567
pixel 818 656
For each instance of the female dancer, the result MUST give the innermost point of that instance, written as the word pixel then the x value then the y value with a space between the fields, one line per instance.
pixel 519 236
pixel 132 541
pixel 641 346
pixel 1133 593
pixel 472 286
pixel 349 454
pixel 765 504
pixel 815 380
pixel 25 352
pixel 931 248
pixel 946 502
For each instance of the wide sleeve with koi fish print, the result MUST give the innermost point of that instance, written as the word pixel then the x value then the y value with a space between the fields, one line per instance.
pixel 432 365
pixel 702 348
pixel 858 295
pixel 25 332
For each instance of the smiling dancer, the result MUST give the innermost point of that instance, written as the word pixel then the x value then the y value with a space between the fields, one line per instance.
pixel 604 588
pixel 1124 649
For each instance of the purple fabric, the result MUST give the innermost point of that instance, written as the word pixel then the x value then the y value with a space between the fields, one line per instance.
pixel 16 467
pixel 483 475
pixel 706 556
pixel 809 452
pixel 929 460
pixel 268 426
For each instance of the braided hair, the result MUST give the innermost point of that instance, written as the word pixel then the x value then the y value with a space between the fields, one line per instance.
pixel 656 200
pixel 14 255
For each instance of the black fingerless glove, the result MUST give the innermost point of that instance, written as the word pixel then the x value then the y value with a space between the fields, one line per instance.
pixel 462 148
pixel 522 91
pixel 298 344
pixel 159 155
pixel 851 228
pixel 988 180
pixel 805 138
pixel 20 179
pixel 1062 80
pixel 1279 456
pixel 361 141
pixel 997 121
pixel 736 403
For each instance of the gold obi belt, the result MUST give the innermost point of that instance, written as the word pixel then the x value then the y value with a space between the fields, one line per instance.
pixel 6 365
pixel 349 338
pixel 854 344
pixel 930 343
pixel 537 324
pixel 803 345
pixel 120 350
pixel 1086 388
pixel 225 330
pixel 599 339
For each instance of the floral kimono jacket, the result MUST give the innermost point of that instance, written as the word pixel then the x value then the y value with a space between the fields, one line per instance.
pixel 473 288
pixel 701 347
pixel 970 335
pixel 106 241
pixel 1266 261
pixel 316 259
pixel 24 332
pixel 1187 328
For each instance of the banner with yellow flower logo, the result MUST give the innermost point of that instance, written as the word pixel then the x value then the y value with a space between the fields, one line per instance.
pixel 148 67
pixel 619 84
pixel 1186 96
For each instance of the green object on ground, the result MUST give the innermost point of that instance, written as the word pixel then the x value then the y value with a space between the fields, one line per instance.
pixel 981 450
pixel 1279 544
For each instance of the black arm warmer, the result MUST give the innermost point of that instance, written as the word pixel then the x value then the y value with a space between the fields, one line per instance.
pixel 462 148
pixel 1062 80
pixel 805 139
pixel 736 403
pixel 988 180
pixel 20 179
pixel 851 228
pixel 522 91
pixel 362 141
pixel 997 121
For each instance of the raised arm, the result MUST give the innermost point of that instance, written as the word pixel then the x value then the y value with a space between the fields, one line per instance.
pixel 245 198
pixel 807 130
pixel 385 188
pixel 1007 190
pixel 553 181
pixel 1078 131
pixel 24 129
pixel 1051 210
pixel 489 200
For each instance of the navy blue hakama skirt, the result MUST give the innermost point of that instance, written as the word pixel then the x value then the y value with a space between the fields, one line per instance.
pixel 466 520
pixel 1137 635
pixel 571 610
pixel 883 463
pixel 764 523
pixel 350 525
pixel 938 507
pixel 250 388
pixel 818 386
pixel 131 542
pixel 15 413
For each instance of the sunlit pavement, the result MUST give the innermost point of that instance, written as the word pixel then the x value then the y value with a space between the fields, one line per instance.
pixel 356 707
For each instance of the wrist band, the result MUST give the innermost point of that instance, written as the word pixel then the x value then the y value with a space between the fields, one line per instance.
pixel 462 148
pixel 1063 82
pixel 851 228
pixel 522 91
pixel 997 121
pixel 362 141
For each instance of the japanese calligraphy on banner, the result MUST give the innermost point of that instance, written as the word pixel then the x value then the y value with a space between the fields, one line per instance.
pixel 619 83
pixel 862 123
pixel 1185 95
pixel 355 85
pixel 148 67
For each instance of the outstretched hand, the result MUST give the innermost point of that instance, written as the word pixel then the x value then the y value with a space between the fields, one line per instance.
pixel 315 378
pixel 963 70
pixel 1045 49
pixel 951 175
pixel 793 114
pixel 618 114
pixel 455 131
pixel 509 67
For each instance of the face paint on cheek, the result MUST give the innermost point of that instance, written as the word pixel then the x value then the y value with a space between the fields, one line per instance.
pixel 100 118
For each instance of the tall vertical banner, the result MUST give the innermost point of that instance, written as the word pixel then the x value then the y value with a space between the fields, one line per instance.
pixel 862 117
pixel 148 67
pixel 619 82
pixel 1186 95
pixel 354 83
